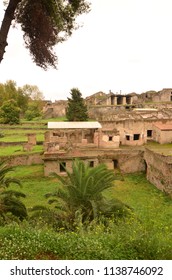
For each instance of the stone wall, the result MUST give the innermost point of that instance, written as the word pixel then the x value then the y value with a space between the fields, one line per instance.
pixel 127 161
pixel 159 170
pixel 23 159
pixel 56 109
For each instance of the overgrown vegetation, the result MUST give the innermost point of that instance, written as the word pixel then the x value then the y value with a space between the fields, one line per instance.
pixel 10 202
pixel 17 102
pixel 10 112
pixel 145 234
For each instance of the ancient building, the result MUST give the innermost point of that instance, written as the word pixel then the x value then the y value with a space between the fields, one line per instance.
pixel 92 140
pixel 125 124
pixel 162 133
pixel 54 109
pixel 65 141
pixel 111 99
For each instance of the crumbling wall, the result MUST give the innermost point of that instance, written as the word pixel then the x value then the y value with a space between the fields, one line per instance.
pixel 159 170
pixel 56 109
pixel 16 160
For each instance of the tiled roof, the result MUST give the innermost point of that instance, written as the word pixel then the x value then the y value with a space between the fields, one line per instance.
pixel 163 126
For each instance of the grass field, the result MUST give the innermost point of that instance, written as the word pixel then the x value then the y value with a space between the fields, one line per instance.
pixel 35 185
pixel 20 135
pixel 146 200
pixel 147 234
pixel 18 150
pixel 165 149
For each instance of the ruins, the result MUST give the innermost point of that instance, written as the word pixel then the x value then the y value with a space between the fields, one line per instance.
pixel 124 125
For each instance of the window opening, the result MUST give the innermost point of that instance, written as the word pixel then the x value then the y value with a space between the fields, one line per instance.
pixel 149 133
pixel 115 163
pixel 91 163
pixel 136 137
pixel 62 166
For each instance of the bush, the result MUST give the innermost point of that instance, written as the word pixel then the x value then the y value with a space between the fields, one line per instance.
pixel 10 112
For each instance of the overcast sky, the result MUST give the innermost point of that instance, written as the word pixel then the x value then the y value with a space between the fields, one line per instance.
pixel 123 45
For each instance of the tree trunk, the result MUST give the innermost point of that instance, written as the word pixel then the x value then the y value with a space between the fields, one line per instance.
pixel 5 26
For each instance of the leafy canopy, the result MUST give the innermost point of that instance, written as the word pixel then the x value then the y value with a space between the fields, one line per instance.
pixel 10 112
pixel 44 23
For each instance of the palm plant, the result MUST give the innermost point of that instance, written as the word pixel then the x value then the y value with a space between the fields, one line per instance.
pixel 10 199
pixel 81 195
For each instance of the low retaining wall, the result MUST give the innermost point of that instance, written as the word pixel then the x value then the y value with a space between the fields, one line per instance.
pixel 7 144
pixel 24 159
pixel 159 170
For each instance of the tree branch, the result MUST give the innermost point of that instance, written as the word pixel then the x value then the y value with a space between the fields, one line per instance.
pixel 5 26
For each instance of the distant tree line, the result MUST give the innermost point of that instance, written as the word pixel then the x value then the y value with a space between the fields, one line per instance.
pixel 19 102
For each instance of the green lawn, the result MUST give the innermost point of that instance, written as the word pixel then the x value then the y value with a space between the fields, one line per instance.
pixel 165 149
pixel 147 201
pixel 20 135
pixel 35 185
pixel 18 150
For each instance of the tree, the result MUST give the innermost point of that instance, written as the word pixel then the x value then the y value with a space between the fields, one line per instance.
pixel 81 196
pixel 10 112
pixel 44 23
pixel 24 96
pixel 33 111
pixel 33 92
pixel 35 101
pixel 9 199
pixel 76 110
pixel 22 100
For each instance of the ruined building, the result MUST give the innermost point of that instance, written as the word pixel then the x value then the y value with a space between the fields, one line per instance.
pixel 118 138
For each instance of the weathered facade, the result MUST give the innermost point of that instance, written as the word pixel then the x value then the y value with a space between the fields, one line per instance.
pixel 55 109
pixel 125 124
pixel 162 133
pixel 89 142
pixel 117 144
pixel 99 102
pixel 159 170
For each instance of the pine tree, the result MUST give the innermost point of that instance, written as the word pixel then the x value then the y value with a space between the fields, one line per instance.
pixel 76 110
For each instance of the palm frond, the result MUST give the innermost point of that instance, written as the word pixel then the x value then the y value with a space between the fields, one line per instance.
pixel 11 193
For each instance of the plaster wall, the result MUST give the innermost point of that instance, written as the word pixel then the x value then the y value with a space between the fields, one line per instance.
pixel 162 136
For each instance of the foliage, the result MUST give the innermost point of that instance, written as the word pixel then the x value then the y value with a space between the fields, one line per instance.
pixel 10 112
pixel 33 92
pixel 76 110
pixel 18 150
pixel 14 134
pixel 33 111
pixel 127 240
pixel 145 234
pixel 23 96
pixel 81 199
pixel 10 199
pixel 44 23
